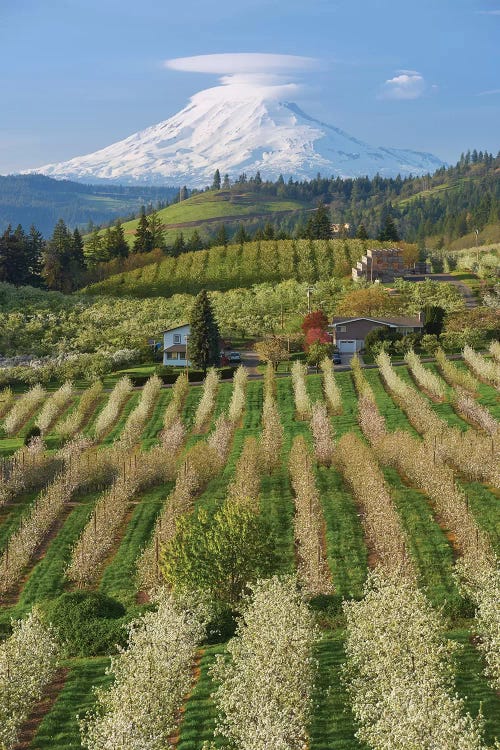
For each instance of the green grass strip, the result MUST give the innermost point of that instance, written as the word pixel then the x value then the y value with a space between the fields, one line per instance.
pixel 345 546
pixel 472 686
pixel 11 514
pixel 484 504
pixel 119 578
pixel 46 580
pixel 155 423
pixel 59 728
pixel 199 719
pixel 428 545
pixel 333 726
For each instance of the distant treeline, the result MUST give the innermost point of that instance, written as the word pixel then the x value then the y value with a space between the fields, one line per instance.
pixel 36 199
pixel 451 202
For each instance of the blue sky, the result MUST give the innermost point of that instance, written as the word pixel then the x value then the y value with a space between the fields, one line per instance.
pixel 77 75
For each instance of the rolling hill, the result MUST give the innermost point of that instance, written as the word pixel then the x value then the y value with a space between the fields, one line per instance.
pixel 205 211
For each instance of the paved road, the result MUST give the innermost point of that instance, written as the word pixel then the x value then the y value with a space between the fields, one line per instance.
pixel 250 360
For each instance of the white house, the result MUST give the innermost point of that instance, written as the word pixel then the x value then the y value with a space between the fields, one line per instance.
pixel 176 345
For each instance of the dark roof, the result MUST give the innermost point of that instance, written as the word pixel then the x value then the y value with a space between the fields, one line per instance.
pixel 176 348
pixel 397 320
pixel 167 330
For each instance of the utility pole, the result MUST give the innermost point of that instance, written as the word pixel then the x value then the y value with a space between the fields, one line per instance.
pixel 310 290
pixel 187 356
pixel 476 231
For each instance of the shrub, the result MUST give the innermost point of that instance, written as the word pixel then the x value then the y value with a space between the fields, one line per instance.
pixel 33 432
pixel 88 623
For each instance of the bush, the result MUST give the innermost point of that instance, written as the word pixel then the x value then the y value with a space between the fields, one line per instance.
pixel 34 432
pixel 88 623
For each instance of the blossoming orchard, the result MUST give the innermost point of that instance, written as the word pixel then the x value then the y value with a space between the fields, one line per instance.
pixel 341 589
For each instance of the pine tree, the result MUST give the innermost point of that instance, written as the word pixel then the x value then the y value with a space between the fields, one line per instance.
pixel 322 224
pixel 120 248
pixel 221 237
pixel 155 226
pixel 36 245
pixel 143 241
pixel 96 249
pixel 361 233
pixel 11 256
pixel 57 252
pixel 241 235
pixel 269 233
pixel 204 337
pixel 195 242
pixel 179 245
pixel 216 180
pixel 388 231
pixel 226 184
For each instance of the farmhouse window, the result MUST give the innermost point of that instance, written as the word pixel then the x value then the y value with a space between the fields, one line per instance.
pixel 172 355
pixel 342 329
pixel 177 338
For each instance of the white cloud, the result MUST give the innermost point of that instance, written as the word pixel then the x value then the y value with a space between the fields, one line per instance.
pixel 242 63
pixel 489 92
pixel 407 84
pixel 489 12
pixel 249 72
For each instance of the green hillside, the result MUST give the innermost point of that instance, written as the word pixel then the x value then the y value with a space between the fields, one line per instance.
pixel 222 268
pixel 204 210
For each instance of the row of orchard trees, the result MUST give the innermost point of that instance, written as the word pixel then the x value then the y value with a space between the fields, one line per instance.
pixel 226 267
pixel 399 666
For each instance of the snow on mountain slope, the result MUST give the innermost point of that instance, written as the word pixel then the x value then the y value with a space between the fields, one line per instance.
pixel 238 128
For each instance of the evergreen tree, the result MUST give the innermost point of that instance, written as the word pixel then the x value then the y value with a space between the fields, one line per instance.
pixel 226 184
pixel 433 319
pixel 388 231
pixel 107 244
pixel 216 180
pixel 143 242
pixel 77 256
pixel 195 242
pixel 269 233
pixel 322 223
pixel 11 256
pixel 204 338
pixel 179 245
pixel 155 226
pixel 361 233
pixel 36 245
pixel 221 237
pixel 56 270
pixel 96 249
pixel 119 248
pixel 241 235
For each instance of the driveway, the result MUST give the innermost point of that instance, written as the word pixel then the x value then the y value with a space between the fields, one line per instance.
pixel 250 360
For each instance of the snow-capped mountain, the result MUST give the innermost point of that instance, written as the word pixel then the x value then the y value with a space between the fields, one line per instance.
pixel 238 127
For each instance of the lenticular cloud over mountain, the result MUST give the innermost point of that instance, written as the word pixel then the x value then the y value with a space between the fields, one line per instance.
pixel 247 123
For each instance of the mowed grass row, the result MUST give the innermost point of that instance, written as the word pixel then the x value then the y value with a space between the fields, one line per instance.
pixel 332 725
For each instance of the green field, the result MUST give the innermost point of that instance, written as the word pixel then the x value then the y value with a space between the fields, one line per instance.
pixel 207 210
pixel 333 725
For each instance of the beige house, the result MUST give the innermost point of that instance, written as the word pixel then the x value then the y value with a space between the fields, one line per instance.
pixel 349 333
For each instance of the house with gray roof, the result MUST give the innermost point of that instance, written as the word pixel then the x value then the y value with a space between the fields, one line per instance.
pixel 349 333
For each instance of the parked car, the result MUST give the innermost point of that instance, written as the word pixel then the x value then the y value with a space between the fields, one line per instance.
pixel 234 357
pixel 336 358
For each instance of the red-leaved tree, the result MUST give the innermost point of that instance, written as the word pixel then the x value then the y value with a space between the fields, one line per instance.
pixel 316 320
